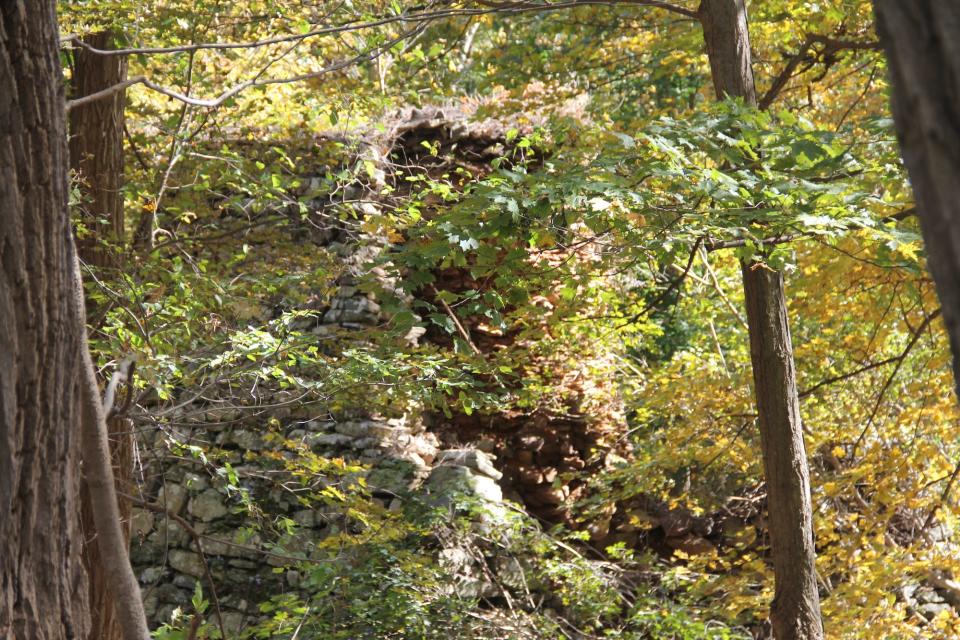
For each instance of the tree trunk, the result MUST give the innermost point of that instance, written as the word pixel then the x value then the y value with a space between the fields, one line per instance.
pixel 922 42
pixel 96 157
pixel 727 38
pixel 795 610
pixel 42 585
pixel 104 623
pixel 50 410
pixel 96 149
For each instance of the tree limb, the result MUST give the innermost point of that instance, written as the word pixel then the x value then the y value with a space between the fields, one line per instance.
pixel 456 321
pixel 488 7
pixel 831 46
pixel 98 474
pixel 850 374
pixel 943 498
pixel 370 54
pixel 105 93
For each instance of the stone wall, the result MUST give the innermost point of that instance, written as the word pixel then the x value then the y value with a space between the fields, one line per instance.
pixel 191 527
pixel 194 521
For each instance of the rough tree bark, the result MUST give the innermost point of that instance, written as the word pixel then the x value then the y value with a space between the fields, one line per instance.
pixel 922 42
pixel 42 586
pixel 50 410
pixel 96 148
pixel 795 610
pixel 96 157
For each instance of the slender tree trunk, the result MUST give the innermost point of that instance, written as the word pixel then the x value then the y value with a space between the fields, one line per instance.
pixel 727 38
pixel 922 42
pixel 50 410
pixel 96 157
pixel 795 611
pixel 96 149
pixel 104 622
pixel 113 561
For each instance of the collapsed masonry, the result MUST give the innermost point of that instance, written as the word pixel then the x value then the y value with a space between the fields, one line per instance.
pixel 195 529
pixel 193 524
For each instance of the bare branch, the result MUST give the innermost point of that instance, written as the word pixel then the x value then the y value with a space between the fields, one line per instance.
pixel 850 374
pixel 674 284
pixel 105 93
pixel 839 44
pixel 742 242
pixel 456 321
pixel 723 296
pixel 734 243
pixel 785 75
pixel 120 376
pixel 256 44
pixel 827 55
pixel 943 498
pixel 217 101
pixel 523 6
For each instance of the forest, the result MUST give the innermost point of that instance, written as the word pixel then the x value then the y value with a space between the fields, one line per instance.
pixel 479 319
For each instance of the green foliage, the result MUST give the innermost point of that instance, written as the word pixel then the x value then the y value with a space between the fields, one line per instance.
pixel 595 260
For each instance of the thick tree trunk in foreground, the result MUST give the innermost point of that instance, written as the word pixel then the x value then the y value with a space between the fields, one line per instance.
pixel 42 584
pixel 922 42
pixel 96 148
pixel 50 410
pixel 795 611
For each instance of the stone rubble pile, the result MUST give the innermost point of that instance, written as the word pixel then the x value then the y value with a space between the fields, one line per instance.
pixel 195 524
pixel 171 558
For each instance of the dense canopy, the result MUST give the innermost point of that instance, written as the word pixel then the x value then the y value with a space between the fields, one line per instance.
pixel 488 319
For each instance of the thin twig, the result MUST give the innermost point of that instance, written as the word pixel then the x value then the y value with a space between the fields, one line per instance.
pixel 456 322
pixel 235 90
pixel 943 498
pixel 893 374
pixel 197 536
pixel 716 285
pixel 850 374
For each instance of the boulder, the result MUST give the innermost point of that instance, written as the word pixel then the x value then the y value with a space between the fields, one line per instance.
pixel 172 497
pixel 217 544
pixel 448 478
pixel 167 533
pixel 195 482
pixel 208 505
pixel 547 495
pixel 328 440
pixel 691 544
pixel 233 621
pixel 353 429
pixel 187 562
pixel 245 439
pixel 395 476
pixel 471 458
pixel 141 522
